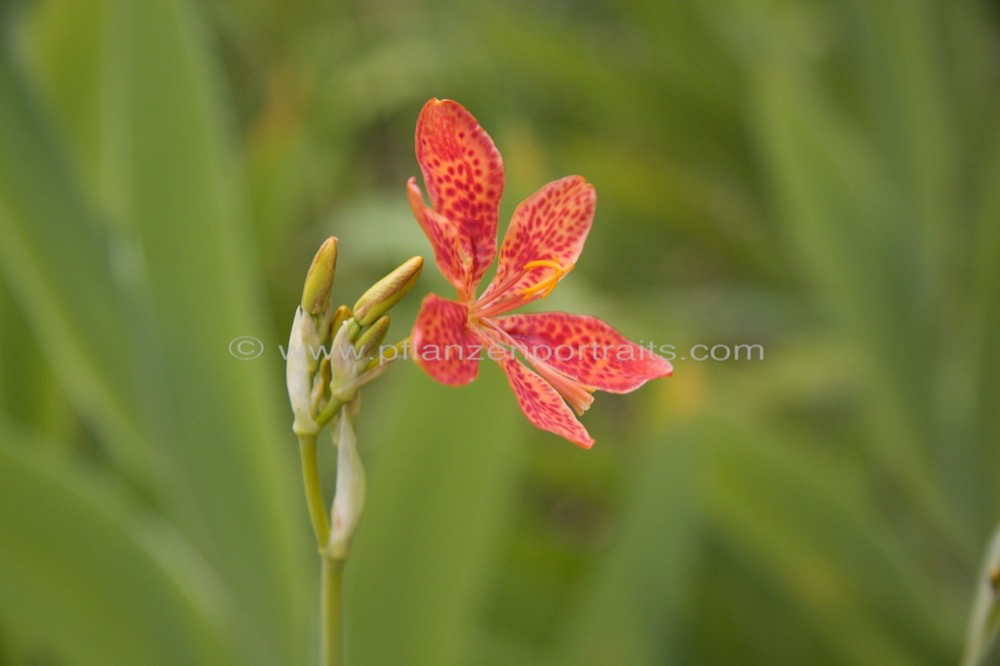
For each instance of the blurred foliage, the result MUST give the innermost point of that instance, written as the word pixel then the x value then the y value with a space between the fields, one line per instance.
pixel 813 176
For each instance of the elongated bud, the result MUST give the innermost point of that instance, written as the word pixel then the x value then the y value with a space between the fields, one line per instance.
pixel 298 373
pixel 321 384
pixel 370 340
pixel 319 279
pixel 349 500
pixel 340 315
pixel 387 292
pixel 344 359
pixel 353 329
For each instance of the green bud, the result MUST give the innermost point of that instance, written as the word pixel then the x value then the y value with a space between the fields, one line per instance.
pixel 373 336
pixel 353 329
pixel 387 292
pixel 340 315
pixel 321 384
pixel 319 279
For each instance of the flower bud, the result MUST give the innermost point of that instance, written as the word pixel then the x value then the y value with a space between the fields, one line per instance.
pixel 349 498
pixel 340 315
pixel 319 279
pixel 344 359
pixel 353 329
pixel 387 292
pixel 350 362
pixel 321 383
pixel 298 373
pixel 370 340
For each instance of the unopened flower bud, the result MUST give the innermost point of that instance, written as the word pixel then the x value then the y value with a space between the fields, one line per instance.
pixel 298 373
pixel 319 279
pixel 320 383
pixel 349 499
pixel 340 315
pixel 387 292
pixel 370 340
pixel 344 360
pixel 353 329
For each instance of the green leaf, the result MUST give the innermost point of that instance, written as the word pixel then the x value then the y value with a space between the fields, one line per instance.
pixel 439 483
pixel 169 183
pixel 843 216
pixel 59 266
pixel 634 609
pixel 810 529
pixel 90 580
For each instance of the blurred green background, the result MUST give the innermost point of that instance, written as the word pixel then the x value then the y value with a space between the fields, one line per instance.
pixel 819 177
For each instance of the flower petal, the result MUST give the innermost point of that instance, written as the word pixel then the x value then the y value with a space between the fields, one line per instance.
pixel 443 344
pixel 549 226
pixel 464 176
pixel 454 262
pixel 585 349
pixel 542 404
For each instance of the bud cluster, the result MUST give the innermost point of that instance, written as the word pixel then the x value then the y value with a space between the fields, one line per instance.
pixel 321 389
pixel 317 388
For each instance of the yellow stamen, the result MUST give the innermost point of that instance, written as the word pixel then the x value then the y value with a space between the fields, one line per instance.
pixel 549 283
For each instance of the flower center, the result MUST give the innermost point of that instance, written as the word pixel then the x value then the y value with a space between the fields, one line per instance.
pixel 505 298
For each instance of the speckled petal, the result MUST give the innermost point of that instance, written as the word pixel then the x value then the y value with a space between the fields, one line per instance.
pixel 464 177
pixel 550 225
pixel 542 404
pixel 454 261
pixel 585 349
pixel 443 344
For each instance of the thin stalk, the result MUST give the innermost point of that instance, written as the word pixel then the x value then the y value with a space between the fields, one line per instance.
pixel 314 490
pixel 331 611
pixel 331 410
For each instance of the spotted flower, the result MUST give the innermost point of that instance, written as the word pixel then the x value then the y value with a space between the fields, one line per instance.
pixel 572 355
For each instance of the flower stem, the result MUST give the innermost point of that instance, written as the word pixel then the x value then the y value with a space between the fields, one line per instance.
pixel 332 572
pixel 331 615
pixel 331 410
pixel 314 490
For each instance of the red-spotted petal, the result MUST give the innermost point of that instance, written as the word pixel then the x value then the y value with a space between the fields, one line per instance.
pixel 443 344
pixel 542 404
pixel 585 349
pixel 549 226
pixel 464 176
pixel 454 261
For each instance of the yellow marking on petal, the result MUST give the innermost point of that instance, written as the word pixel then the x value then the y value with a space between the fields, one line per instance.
pixel 549 283
pixel 550 263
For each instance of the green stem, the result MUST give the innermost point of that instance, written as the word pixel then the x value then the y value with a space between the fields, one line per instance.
pixel 314 490
pixel 332 572
pixel 330 616
pixel 331 410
